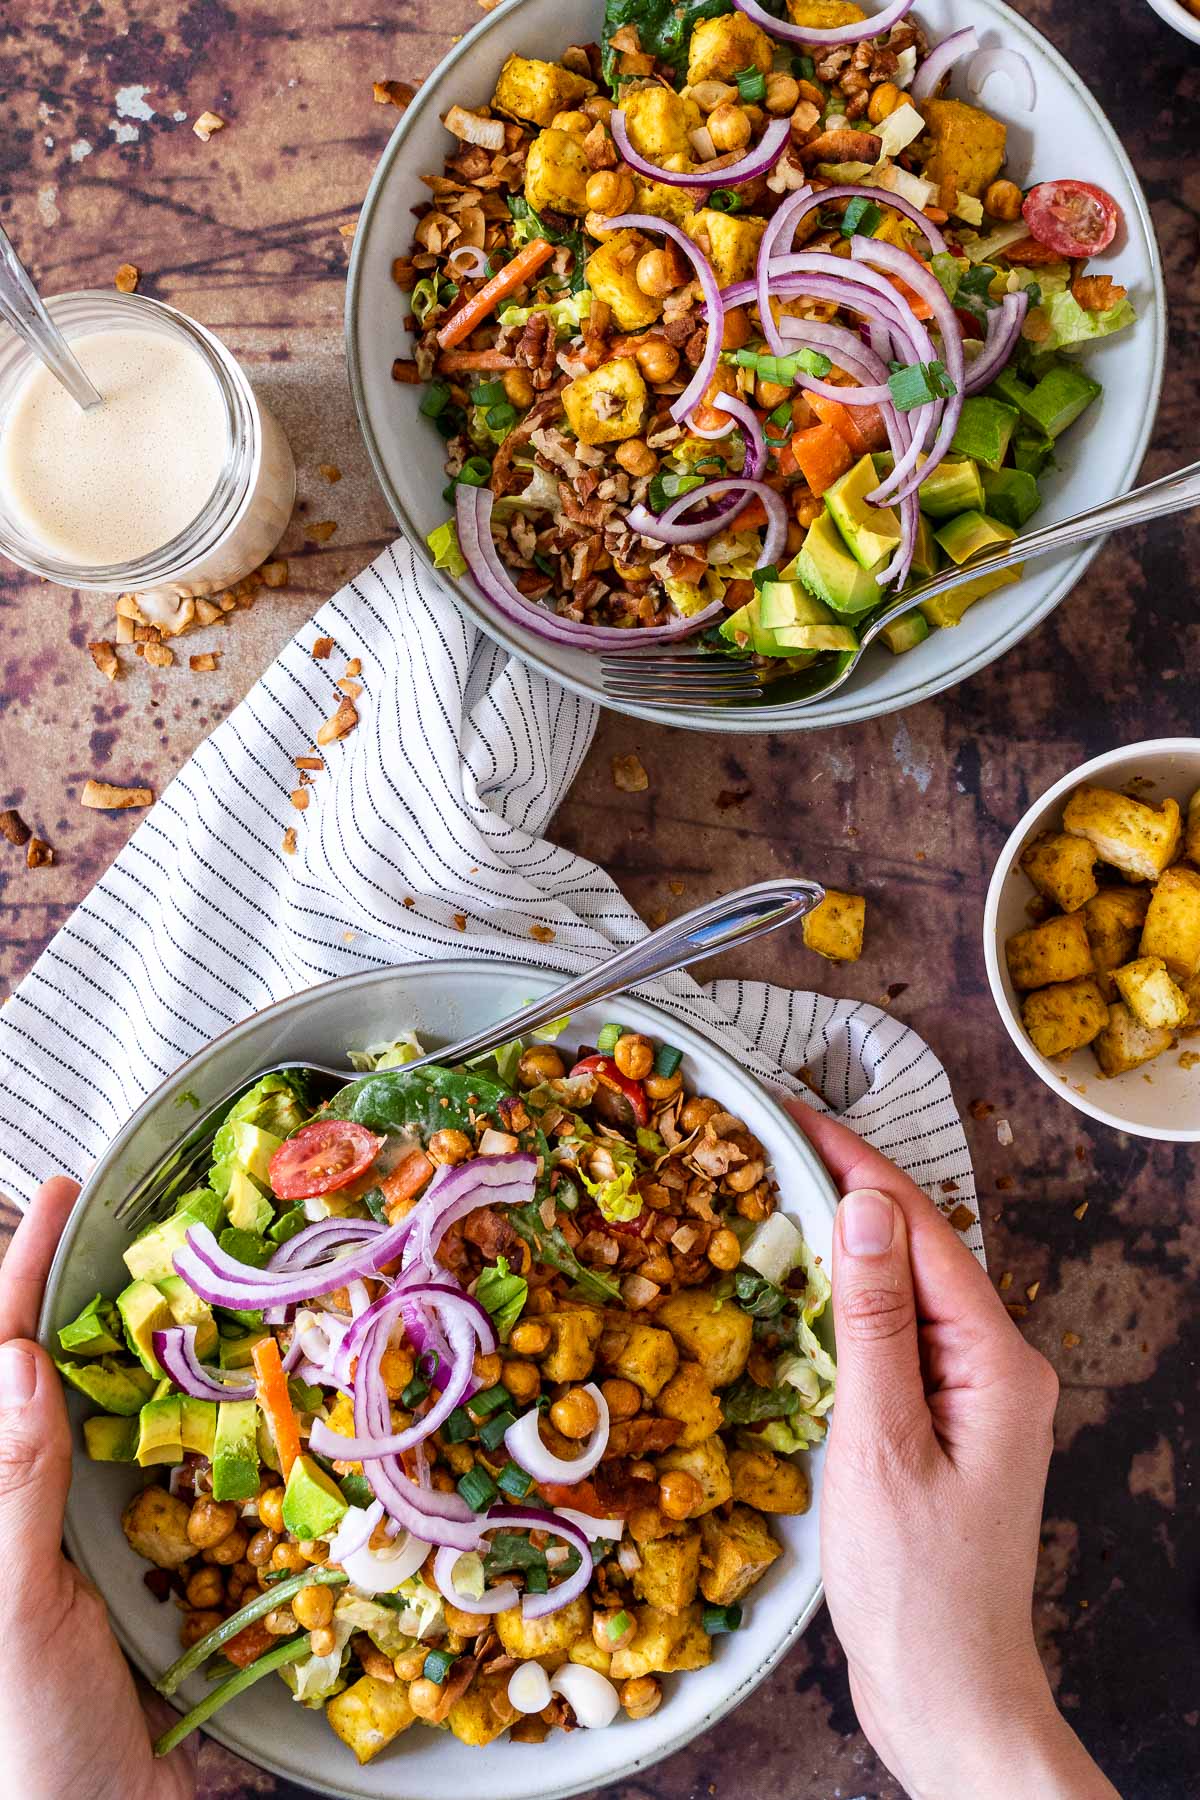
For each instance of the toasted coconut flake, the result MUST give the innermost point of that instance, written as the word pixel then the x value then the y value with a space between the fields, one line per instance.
pixel 38 854
pixel 330 471
pixel 406 372
pixel 103 796
pixel 105 658
pixel 207 613
pixel 343 721
pixel 206 124
pixel 204 663
pixel 309 762
pixel 542 934
pixel 474 129
pixel 128 608
pixel 160 655
pixel 13 826
pixel 321 530
pixel 637 1292
pixel 353 667
pixel 962 1218
pixel 1005 1281
pixel 460 921
pixel 299 798
pixel 124 631
pixel 126 278
pixel 1071 1340
pixel 322 647
pixel 289 841
pixel 275 574
pixel 1004 1133
pixel 628 774
pixel 1081 1210
pixel 348 230
pixel 1031 1292
pixel 393 93
pixel 353 688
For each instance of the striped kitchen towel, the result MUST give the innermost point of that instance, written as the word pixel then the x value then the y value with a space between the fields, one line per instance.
pixel 422 840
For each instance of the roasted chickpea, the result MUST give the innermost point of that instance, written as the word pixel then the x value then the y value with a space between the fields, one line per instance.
pixel 517 387
pixel 729 127
pixel 658 362
pixel 657 274
pixel 231 1548
pixel 708 95
pixel 724 1251
pixel 697 1112
pixel 205 1589
pixel 806 507
pixel 270 1508
pixel 530 1337
pixel 747 1175
pixel 461 1457
pixel 196 1626
pixel 425 1698
pixel 634 1055
pixel 322 1641
pixel 374 1662
pixel 287 1556
pixel 636 457
pixel 576 1415
pixel 449 1146
pixel 783 94
pixel 623 1398
pixel 313 1550
pixel 613 1630
pixel 641 1696
pixel 396 1366
pixel 486 1369
pixel 541 1062
pixel 735 331
pixel 522 1381
pixel 576 122
pixel 443 1481
pixel 313 1606
pixel 1003 200
pixel 210 1521
pixel 661 1087
pixel 884 101
pixel 757 1205
pixel 658 1268
pixel 409 1663
pixel 679 1494
pixel 598 106
pixel 643 1470
pixel 281 1621
pixel 610 191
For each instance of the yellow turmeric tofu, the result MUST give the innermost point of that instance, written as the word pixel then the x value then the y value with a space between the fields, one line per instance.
pixel 708 1464
pixel 1063 868
pixel 369 1714
pixel 1191 840
pixel 670 1571
pixel 688 1397
pixel 1150 994
pixel 735 1553
pixel 824 15
pixel 1055 950
pixel 773 1484
pixel 664 1643
pixel 835 928
pixel 659 121
pixel 721 48
pixel 484 1712
pixel 550 1637
pixel 536 91
pixel 1172 928
pixel 1191 992
pixel 607 405
pixel 1124 1044
pixel 664 202
pixel 612 277
pixel 718 1339
pixel 730 241
pixel 1139 840
pixel 574 1334
pixel 556 173
pixel 640 1353
pixel 968 145
pixel 1113 921
pixel 587 1651
pixel 1065 1016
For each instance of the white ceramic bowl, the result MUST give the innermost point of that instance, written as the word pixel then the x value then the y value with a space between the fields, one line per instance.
pixel 1068 135
pixel 442 1002
pixel 1178 17
pixel 1162 1099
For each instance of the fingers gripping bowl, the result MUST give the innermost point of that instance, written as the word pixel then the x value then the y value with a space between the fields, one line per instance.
pixel 296 1741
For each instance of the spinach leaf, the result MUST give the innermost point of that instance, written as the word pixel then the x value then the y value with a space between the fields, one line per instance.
pixel 758 1296
pixel 664 29
pixel 746 1404
pixel 512 1551
pixel 552 1248
pixel 424 1100
pixel 530 224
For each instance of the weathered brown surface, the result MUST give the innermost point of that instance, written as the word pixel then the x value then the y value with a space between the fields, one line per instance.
pixel 243 232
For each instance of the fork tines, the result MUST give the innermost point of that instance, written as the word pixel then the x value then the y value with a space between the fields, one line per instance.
pixel 680 678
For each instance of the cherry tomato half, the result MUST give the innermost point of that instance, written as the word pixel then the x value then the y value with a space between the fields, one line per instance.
pixel 1073 218
pixel 968 324
pixel 321 1157
pixel 605 1070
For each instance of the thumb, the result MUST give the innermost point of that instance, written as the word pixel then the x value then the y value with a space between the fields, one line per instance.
pixel 875 1315
pixel 35 1457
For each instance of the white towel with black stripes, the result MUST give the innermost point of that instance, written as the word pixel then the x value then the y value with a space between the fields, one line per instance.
pixel 422 840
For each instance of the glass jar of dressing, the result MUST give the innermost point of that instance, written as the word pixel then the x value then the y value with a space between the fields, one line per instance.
pixel 178 485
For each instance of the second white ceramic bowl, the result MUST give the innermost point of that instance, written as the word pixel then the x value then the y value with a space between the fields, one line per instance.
pixel 1162 1099
pixel 1179 18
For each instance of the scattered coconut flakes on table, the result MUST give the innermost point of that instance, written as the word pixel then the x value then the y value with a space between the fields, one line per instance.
pixel 38 854
pixel 289 841
pixel 13 827
pixel 394 93
pixel 126 278
pixel 204 663
pixel 330 471
pixel 1004 1133
pixel 322 647
pixel 542 934
pixel 104 796
pixel 1071 1340
pixel 629 775
pixel 320 531
pixel 206 124
pixel 104 656
pixel 1080 1210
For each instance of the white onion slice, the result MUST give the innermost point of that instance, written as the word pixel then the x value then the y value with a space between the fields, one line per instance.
pixel 374 1571
pixel 593 1528
pixel 529 1688
pixel 523 1441
pixel 492 1600
pixel 591 1696
pixel 999 61
pixel 941 60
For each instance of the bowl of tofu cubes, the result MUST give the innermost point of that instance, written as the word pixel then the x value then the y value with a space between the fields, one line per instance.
pixel 1092 938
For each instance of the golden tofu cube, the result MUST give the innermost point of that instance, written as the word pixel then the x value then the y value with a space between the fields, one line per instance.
pixel 968 145
pixel 721 48
pixel 771 1483
pixel 707 1462
pixel 556 173
pixel 1062 868
pixel 718 1338
pixel 729 241
pixel 688 1397
pixel 824 15
pixel 670 1571
pixel 369 1714
pixel 612 277
pixel 587 1651
pixel 1150 994
pixel 607 405
pixel 735 1553
pixel 484 1712
pixel 550 1637
pixel 574 1334
pixel 1191 840
pixel 1124 1044
pixel 640 1353
pixel 675 204
pixel 1055 950
pixel 1139 840
pixel 835 928
pixel 658 121
pixel 1191 992
pixel 1065 1016
pixel 665 1642
pixel 533 90
pixel 1172 928
pixel 1113 921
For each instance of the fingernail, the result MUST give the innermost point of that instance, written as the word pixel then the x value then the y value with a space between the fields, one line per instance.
pixel 18 1375
pixel 868 1222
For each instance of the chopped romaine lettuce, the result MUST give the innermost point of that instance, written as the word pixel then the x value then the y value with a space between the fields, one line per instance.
pixel 503 1294
pixel 1071 324
pixel 443 544
pixel 617 1203
pixel 381 1623
pixel 566 315
pixel 393 1055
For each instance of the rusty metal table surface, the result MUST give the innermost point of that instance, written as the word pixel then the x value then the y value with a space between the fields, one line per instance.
pixel 99 166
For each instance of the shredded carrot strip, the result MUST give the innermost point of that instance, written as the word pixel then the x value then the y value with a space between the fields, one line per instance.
pixel 276 1404
pixel 524 265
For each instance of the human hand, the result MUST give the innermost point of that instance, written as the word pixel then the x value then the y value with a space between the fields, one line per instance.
pixel 932 1500
pixel 70 1719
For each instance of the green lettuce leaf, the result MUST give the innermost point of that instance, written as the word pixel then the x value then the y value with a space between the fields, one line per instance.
pixel 503 1294
pixel 1071 324
pixel 443 545
pixel 617 1203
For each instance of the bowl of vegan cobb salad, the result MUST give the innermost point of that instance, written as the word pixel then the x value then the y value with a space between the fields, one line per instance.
pixel 721 328
pixel 464 1404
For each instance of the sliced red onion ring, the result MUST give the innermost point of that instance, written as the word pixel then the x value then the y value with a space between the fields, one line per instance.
pixel 459 1188
pixel 474 512
pixel 698 386
pixel 742 413
pixel 175 1349
pixel 467 262
pixel 759 161
pixel 1003 331
pixel 375 1571
pixel 461 1333
pixel 223 1281
pixel 999 61
pixel 838 34
pixel 493 1600
pixel 523 1441
pixel 536 1518
pixel 941 60
pixel 611 1530
pixel 441 1294
pixel 664 528
pixel 846 347
pixel 315 1241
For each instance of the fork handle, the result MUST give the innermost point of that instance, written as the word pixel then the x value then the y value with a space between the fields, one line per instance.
pixel 733 919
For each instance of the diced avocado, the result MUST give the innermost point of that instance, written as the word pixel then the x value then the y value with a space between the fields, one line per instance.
pixel 792 640
pixel 905 633
pixel 288 1224
pixel 159 1431
pixel 964 536
pixel 871 533
pixel 198 1425
pixel 143 1311
pixel 828 570
pixel 247 1246
pixel 1059 397
pixel 884 462
pixel 96 1332
pixel 118 1387
pixel 953 487
pixel 948 609
pixel 1031 451
pixel 247 1147
pixel 925 552
pixel 985 429
pixel 1013 391
pixel 313 1503
pixel 735 627
pixel 150 1256
pixel 1012 496
pixel 187 1308
pixel 109 1439
pixel 237 1352
pixel 248 1207
pixel 235 1451
pixel 267 1452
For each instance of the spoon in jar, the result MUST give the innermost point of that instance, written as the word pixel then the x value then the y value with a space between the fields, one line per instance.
pixel 21 306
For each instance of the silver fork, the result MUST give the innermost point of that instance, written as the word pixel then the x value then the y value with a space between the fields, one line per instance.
pixel 681 677
pixel 735 918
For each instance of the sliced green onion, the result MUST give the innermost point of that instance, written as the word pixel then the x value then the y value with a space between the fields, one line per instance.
pixel 781 418
pixel 424 299
pixel 477 1488
pixel 667 1059
pixel 804 68
pixel 916 384
pixel 437 1665
pixel 447 291
pixel 782 370
pixel 488 393
pixel 414 1393
pixel 451 421
pixel 752 86
pixel 514 1481
pixel 717 1619
pixel 617 1626
pixel 606 1037
pixel 481 1406
pixel 668 485
pixel 459 1426
pixel 501 417
pixel 862 218
pixel 544 563
pixel 257 1608
pixel 762 576
pixel 491 1435
pixel 289 1651
pixel 436 400
pixel 977 280
pixel 725 200
pixel 475 471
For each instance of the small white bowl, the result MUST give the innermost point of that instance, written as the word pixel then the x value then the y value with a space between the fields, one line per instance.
pixel 1162 1099
pixel 1179 18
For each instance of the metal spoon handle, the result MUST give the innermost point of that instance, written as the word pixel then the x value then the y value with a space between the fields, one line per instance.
pixel 733 919
pixel 21 307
